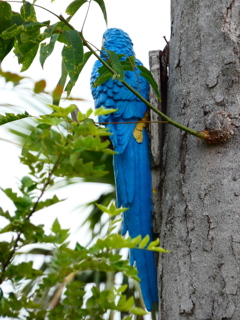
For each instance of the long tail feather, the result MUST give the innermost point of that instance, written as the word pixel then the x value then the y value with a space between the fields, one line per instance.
pixel 133 180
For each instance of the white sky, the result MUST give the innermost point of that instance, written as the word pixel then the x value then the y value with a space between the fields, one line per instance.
pixel 145 21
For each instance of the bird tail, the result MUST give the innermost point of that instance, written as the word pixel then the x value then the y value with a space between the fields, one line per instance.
pixel 134 190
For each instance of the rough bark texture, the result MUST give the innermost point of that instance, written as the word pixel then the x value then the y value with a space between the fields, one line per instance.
pixel 200 204
pixel 155 135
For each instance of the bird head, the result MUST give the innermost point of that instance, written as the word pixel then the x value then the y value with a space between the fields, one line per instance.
pixel 119 41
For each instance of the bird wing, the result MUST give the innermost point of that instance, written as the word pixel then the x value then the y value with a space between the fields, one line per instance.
pixel 130 109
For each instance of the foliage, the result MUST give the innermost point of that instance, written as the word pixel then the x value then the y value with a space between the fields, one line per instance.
pixel 22 32
pixel 58 147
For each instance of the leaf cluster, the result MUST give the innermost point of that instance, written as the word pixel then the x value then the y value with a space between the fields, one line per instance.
pixel 23 33
pixel 58 147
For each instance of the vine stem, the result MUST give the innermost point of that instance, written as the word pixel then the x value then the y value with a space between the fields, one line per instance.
pixel 198 134
pixel 127 122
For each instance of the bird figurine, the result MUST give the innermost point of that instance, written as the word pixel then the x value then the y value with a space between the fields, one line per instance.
pixel 132 161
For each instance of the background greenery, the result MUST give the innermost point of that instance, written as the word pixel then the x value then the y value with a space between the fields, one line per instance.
pixel 77 282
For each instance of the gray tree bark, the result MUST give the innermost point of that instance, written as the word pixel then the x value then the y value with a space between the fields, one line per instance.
pixel 200 198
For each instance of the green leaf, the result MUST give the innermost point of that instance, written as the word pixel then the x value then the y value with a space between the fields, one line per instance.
pixel 39 86
pixel 116 64
pixel 62 112
pixel 116 241
pixel 89 143
pixel 57 92
pixel 27 43
pixel 144 242
pixel 5 249
pixel 71 84
pixel 30 50
pixel 34 138
pixel 11 32
pixel 5 23
pixel 26 47
pixel 88 127
pixel 17 19
pixel 23 270
pixel 159 249
pixel 79 169
pixel 13 77
pixel 113 224
pixel 103 111
pixel 27 182
pixel 111 209
pixel 5 214
pixel 56 226
pixel 5 16
pixel 89 112
pixel 138 311
pixel 47 49
pixel 153 243
pixel 103 78
pixel 69 87
pixel 80 116
pixel 52 121
pixel 21 203
pixel 83 116
pixel 9 117
pixel 103 8
pixel 48 203
pixel 34 26
pixel 73 54
pixel 148 76
pixel 128 304
pixel 122 289
pixel 131 60
pixel 62 234
pixel 86 56
pixel 75 6
pixel 28 12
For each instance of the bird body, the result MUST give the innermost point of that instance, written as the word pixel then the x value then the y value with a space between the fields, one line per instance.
pixel 132 161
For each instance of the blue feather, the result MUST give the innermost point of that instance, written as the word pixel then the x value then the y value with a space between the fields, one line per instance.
pixel 132 162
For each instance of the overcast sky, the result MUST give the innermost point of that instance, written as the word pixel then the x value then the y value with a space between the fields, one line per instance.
pixel 147 22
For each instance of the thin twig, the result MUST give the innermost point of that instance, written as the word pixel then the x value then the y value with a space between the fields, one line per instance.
pixel 89 3
pixel 129 122
pixel 165 39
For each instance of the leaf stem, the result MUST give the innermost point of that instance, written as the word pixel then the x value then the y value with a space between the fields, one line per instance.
pixel 174 123
pixel 127 122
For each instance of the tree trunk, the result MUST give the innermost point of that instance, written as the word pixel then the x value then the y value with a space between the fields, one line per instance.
pixel 200 202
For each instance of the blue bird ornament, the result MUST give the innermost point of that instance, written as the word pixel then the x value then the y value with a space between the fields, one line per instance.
pixel 132 162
